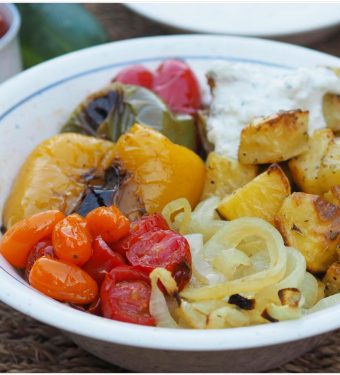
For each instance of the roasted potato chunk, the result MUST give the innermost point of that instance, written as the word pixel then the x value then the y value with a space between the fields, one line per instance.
pixel 331 111
pixel 224 175
pixel 329 173
pixel 312 226
pixel 274 139
pixel 305 168
pixel 333 195
pixel 262 197
pixel 332 279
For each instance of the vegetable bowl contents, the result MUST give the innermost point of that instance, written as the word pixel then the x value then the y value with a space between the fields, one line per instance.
pixel 149 208
pixel 173 81
pixel 3 26
pixel 78 260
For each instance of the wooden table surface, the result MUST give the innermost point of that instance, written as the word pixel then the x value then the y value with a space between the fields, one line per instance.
pixel 29 346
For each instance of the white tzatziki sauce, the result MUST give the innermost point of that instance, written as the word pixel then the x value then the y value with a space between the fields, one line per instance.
pixel 242 93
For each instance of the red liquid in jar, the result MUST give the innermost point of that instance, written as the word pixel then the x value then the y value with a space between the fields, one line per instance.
pixel 3 26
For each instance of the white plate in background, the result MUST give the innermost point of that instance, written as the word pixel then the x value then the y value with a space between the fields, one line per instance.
pixel 273 20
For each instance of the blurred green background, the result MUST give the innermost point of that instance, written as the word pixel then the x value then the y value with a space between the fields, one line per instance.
pixel 50 30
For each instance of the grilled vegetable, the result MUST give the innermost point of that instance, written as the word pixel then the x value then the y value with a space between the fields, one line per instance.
pixel 113 186
pixel 20 239
pixel 125 295
pixel 274 139
pixel 262 197
pixel 63 281
pixel 111 112
pixel 162 170
pixel 173 81
pixel 54 175
pixel 312 226
pixel 224 175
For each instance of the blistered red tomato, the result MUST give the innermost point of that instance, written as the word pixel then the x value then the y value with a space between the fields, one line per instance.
pixel 108 222
pixel 162 248
pixel 42 248
pixel 125 296
pixel 102 261
pixel 72 240
pixel 173 81
pixel 136 75
pixel 177 85
pixel 138 227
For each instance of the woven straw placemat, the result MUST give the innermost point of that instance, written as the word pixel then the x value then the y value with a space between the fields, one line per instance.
pixel 29 346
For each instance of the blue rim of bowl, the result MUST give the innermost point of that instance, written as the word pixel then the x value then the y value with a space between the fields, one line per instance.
pixel 132 62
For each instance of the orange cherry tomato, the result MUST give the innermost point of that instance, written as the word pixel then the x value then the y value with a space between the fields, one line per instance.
pixel 19 240
pixel 72 241
pixel 108 222
pixel 63 281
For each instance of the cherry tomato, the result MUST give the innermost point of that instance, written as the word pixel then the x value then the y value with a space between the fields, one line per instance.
pixel 177 85
pixel 63 281
pixel 19 240
pixel 138 227
pixel 72 240
pixel 162 248
pixel 125 296
pixel 102 260
pixel 42 248
pixel 108 222
pixel 136 75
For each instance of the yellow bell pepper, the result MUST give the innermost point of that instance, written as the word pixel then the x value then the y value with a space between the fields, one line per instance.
pixel 164 171
pixel 52 176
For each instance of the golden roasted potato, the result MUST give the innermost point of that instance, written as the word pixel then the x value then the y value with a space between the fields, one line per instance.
pixel 262 197
pixel 52 177
pixel 311 225
pixel 332 279
pixel 306 167
pixel 329 172
pixel 333 195
pixel 331 111
pixel 224 175
pixel 274 139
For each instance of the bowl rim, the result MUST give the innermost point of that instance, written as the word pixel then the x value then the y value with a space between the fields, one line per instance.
pixel 14 26
pixel 42 308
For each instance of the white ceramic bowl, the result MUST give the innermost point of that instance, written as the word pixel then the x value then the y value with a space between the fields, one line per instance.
pixel 10 57
pixel 35 104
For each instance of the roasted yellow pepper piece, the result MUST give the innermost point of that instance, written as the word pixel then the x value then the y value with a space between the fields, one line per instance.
pixel 52 176
pixel 163 170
